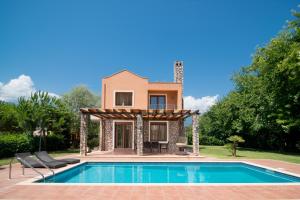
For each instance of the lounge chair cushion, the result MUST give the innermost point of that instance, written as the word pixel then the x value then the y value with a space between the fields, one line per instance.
pixel 55 164
pixel 70 160
pixel 44 156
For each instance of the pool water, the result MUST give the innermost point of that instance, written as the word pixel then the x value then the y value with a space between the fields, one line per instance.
pixel 174 172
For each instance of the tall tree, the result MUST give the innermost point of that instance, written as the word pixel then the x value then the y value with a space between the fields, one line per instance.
pixel 81 97
pixel 44 113
pixel 264 107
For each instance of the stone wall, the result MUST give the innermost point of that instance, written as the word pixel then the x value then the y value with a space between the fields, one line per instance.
pixel 140 136
pixel 108 134
pixel 146 130
pixel 84 121
pixel 178 72
pixel 174 130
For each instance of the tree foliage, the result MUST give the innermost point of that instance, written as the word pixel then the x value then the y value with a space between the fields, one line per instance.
pixel 82 97
pixel 264 107
pixel 8 117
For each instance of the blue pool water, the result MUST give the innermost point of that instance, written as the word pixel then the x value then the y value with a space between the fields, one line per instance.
pixel 204 172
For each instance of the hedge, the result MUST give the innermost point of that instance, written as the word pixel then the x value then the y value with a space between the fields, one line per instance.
pixel 10 143
pixel 205 140
pixel 210 140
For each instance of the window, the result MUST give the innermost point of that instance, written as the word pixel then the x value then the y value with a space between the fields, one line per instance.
pixel 123 98
pixel 158 131
pixel 157 102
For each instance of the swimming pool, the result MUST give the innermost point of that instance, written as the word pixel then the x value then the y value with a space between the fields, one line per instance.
pixel 169 173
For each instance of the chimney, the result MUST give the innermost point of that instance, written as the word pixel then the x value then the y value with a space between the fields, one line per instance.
pixel 178 72
pixel 178 78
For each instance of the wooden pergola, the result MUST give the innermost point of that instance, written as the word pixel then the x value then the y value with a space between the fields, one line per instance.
pixel 138 115
pixel 127 114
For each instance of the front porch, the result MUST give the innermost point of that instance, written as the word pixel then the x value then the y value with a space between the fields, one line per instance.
pixel 141 132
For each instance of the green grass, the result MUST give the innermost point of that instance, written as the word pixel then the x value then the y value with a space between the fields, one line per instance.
pixel 243 153
pixel 5 161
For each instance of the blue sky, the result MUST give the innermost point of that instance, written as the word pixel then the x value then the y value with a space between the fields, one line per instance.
pixel 60 44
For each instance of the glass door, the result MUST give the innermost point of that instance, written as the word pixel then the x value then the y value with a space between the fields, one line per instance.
pixel 123 135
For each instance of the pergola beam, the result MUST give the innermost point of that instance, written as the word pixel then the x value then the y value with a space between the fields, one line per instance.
pixel 161 114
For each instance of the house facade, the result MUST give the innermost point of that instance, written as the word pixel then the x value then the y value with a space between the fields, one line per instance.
pixel 140 115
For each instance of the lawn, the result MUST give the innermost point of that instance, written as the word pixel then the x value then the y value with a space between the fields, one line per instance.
pixel 243 153
pixel 5 161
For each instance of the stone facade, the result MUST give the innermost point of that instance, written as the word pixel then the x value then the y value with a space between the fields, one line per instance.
pixel 108 134
pixel 174 129
pixel 84 120
pixel 101 147
pixel 178 72
pixel 146 130
pixel 195 127
pixel 139 135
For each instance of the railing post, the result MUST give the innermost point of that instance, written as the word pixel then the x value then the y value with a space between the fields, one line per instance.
pixel 10 168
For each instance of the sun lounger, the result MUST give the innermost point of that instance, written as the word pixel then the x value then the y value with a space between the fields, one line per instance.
pixel 48 162
pixel 45 157
pixel 27 160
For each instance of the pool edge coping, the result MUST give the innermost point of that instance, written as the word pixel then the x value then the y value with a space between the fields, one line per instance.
pixel 32 181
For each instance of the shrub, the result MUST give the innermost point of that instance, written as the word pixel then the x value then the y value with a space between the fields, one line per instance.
pixel 235 140
pixel 204 139
pixel 13 143
pixel 92 143
pixel 53 142
pixel 210 140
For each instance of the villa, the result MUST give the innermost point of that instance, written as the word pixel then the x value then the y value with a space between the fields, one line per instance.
pixel 139 115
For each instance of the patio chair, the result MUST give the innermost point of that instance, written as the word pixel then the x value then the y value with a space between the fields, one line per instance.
pixel 147 145
pixel 45 157
pixel 155 145
pixel 49 162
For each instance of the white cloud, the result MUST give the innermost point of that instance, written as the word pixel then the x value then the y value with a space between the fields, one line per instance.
pixel 202 104
pixel 15 88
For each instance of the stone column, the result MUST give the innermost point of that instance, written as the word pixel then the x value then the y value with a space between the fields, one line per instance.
pixel 100 135
pixel 139 134
pixel 84 120
pixel 195 126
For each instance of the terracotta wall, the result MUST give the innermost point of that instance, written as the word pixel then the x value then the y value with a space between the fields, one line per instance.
pixel 127 81
pixel 170 95
pixel 124 81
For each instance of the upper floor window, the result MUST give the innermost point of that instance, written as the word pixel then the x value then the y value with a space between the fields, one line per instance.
pixel 157 102
pixel 123 98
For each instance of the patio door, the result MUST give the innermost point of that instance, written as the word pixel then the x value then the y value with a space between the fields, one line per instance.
pixel 123 135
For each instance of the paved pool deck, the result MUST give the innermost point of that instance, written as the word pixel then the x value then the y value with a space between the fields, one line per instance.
pixel 11 189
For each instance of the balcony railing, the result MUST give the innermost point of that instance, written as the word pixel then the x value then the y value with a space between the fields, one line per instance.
pixel 162 106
